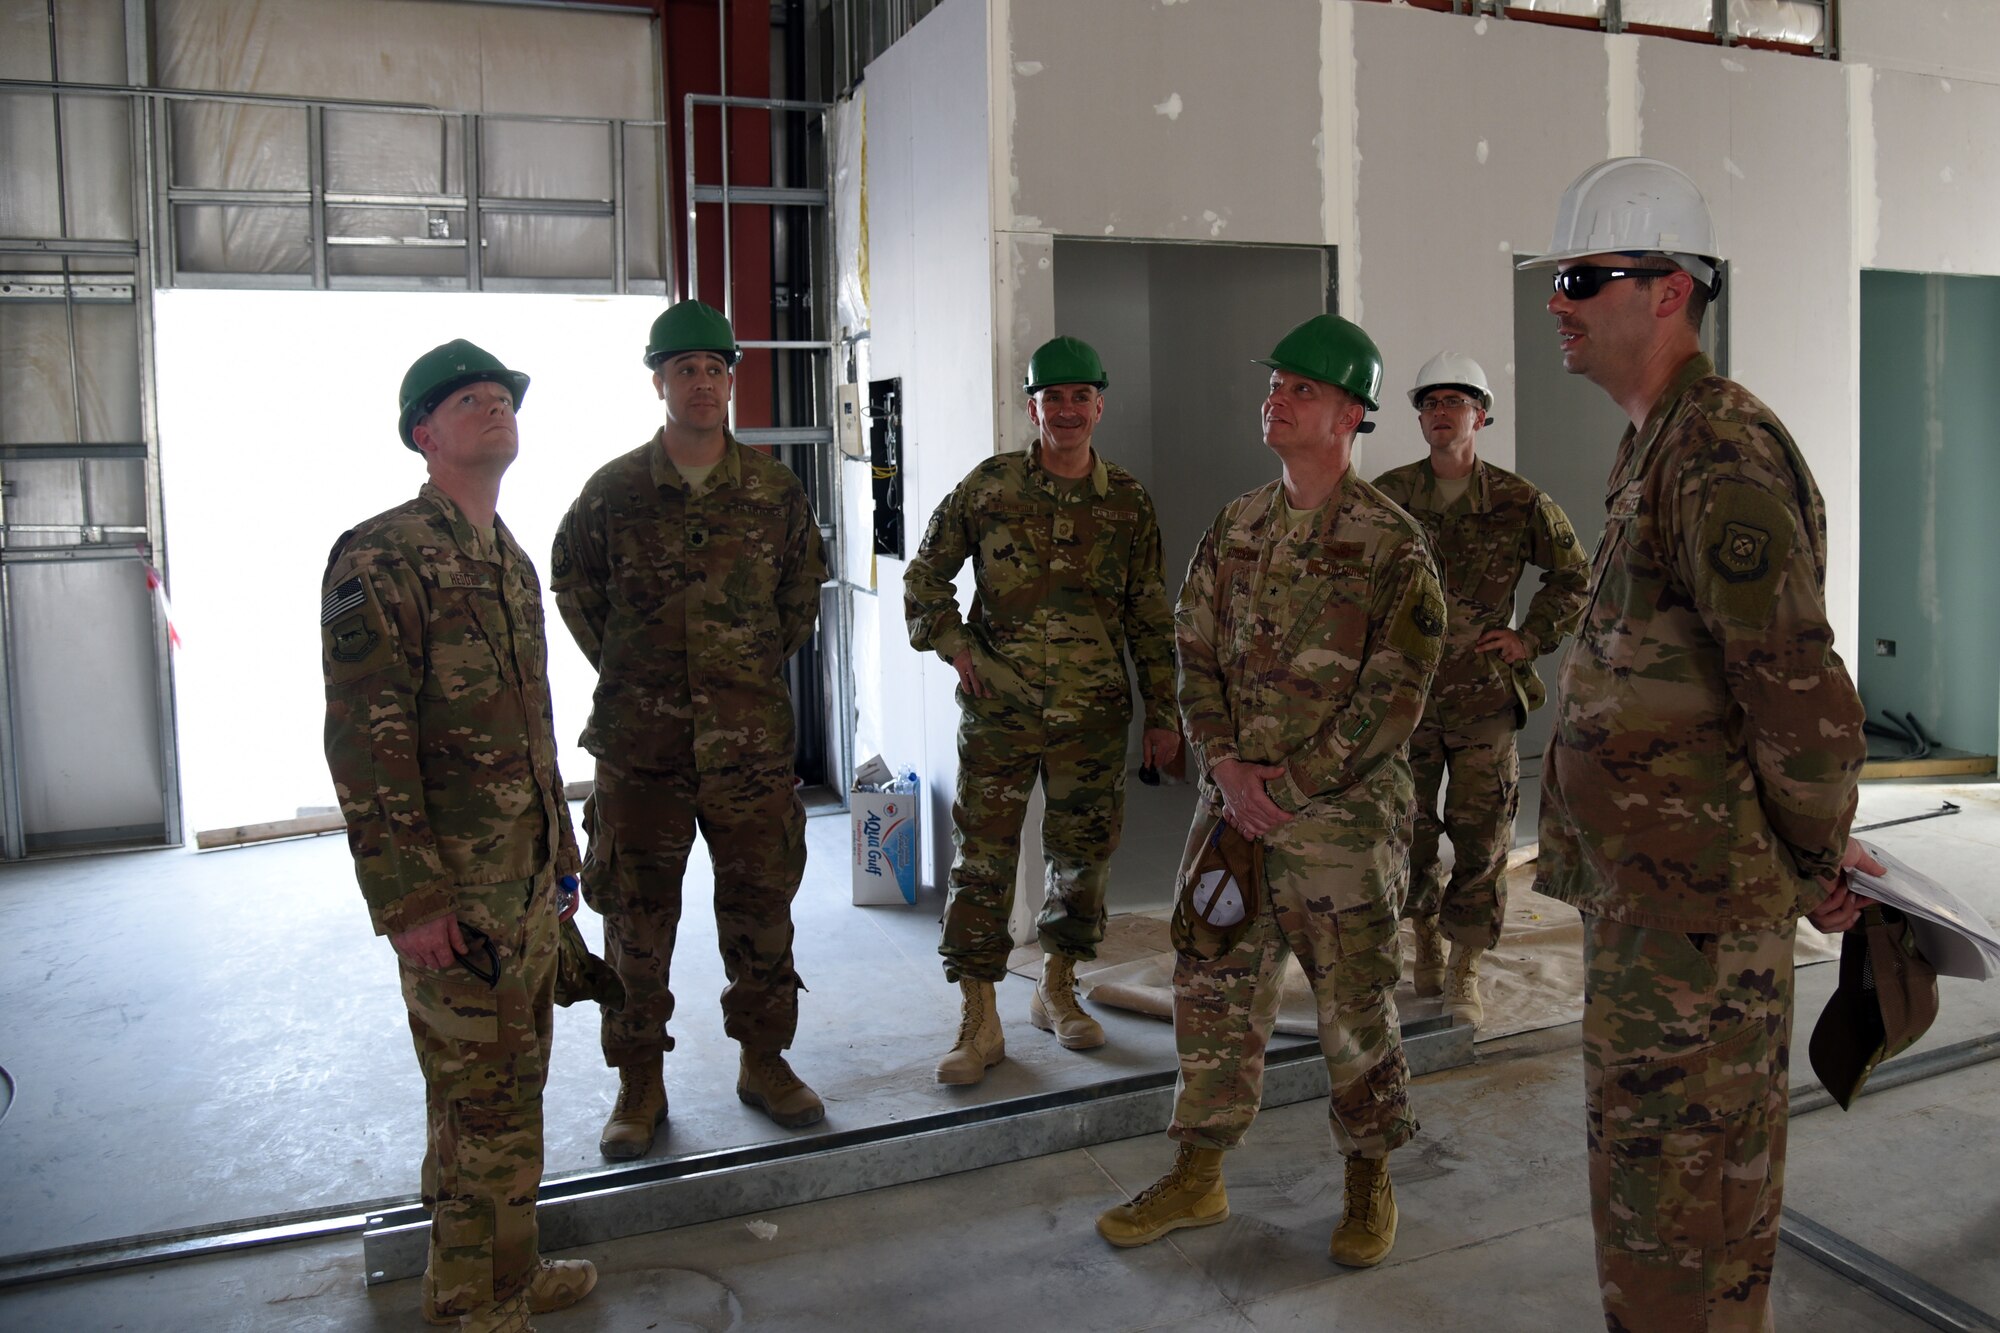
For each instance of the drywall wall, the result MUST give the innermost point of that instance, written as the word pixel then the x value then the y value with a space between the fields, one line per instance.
pixel 1950 38
pixel 1467 133
pixel 1129 117
pixel 1929 472
pixel 1780 198
pixel 931 267
pixel 1935 174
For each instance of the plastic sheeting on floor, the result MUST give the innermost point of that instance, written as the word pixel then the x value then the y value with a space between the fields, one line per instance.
pixel 1533 980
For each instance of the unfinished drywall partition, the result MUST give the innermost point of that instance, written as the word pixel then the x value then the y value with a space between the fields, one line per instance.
pixel 931 267
pixel 1951 38
pixel 1467 133
pixel 1930 472
pixel 1567 434
pixel 1193 121
pixel 1178 326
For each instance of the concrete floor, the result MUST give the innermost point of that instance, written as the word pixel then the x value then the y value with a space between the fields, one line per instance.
pixel 216 1038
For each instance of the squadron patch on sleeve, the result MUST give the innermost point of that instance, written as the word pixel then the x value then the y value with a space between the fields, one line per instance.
pixel 351 640
pixel 560 560
pixel 1741 552
pixel 1560 532
pixel 353 630
pixel 1417 632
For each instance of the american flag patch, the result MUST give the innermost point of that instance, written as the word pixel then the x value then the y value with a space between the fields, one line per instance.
pixel 341 600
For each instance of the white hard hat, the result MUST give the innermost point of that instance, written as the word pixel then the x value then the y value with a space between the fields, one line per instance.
pixel 1634 205
pixel 1453 368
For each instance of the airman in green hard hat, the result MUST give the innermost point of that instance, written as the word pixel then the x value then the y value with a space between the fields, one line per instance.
pixel 1333 351
pixel 430 635
pixel 1065 549
pixel 446 367
pixel 688 571
pixel 690 326
pixel 1308 630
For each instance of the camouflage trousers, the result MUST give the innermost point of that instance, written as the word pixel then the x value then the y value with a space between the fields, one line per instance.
pixel 1333 888
pixel 1002 749
pixel 1481 797
pixel 1686 1046
pixel 641 827
pixel 484 1051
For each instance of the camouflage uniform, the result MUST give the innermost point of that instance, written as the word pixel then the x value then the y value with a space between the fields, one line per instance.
pixel 1068 580
pixel 1701 777
pixel 1311 649
pixel 1483 541
pixel 441 741
pixel 688 604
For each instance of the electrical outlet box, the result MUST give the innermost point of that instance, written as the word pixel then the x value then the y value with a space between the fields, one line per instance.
pixel 847 430
pixel 1885 647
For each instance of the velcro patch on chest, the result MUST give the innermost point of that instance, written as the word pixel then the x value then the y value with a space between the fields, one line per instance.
pixel 466 578
pixel 1626 503
pixel 1743 549
pixel 1113 515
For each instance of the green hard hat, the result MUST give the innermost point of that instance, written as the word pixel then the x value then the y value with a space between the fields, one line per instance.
pixel 1065 360
pixel 442 369
pixel 1334 351
pixel 690 326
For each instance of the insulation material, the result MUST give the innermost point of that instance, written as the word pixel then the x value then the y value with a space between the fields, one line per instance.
pixel 491 59
pixel 89 748
pixel 850 210
pixel 36 404
pixel 96 131
pixel 1764 20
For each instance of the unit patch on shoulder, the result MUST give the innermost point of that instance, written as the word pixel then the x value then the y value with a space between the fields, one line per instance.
pixel 1742 551
pixel 1417 631
pixel 560 560
pixel 351 640
pixel 352 629
pixel 1560 532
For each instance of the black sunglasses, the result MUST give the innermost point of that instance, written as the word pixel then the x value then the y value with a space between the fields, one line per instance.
pixel 476 938
pixel 1587 280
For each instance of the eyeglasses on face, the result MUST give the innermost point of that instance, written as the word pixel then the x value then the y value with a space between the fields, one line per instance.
pixel 1587 280
pixel 1445 402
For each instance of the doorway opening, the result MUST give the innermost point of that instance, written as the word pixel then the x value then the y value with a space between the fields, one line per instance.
pixel 1177 325
pixel 1929 644
pixel 277 428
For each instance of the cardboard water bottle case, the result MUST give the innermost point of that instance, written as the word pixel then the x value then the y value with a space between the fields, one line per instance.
pixel 883 811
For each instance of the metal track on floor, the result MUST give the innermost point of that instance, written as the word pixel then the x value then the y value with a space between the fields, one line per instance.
pixel 588 1210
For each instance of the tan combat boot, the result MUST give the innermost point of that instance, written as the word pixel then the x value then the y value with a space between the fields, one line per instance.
pixel 981 1044
pixel 765 1081
pixel 556 1285
pixel 1189 1195
pixel 1054 1008
pixel 1367 1227
pixel 1462 985
pixel 1427 969
pixel 640 1109
pixel 510 1316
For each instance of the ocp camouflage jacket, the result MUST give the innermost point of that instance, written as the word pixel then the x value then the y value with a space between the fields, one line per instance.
pixel 1483 542
pixel 689 605
pixel 439 731
pixel 1066 582
pixel 1708 739
pixel 1311 648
